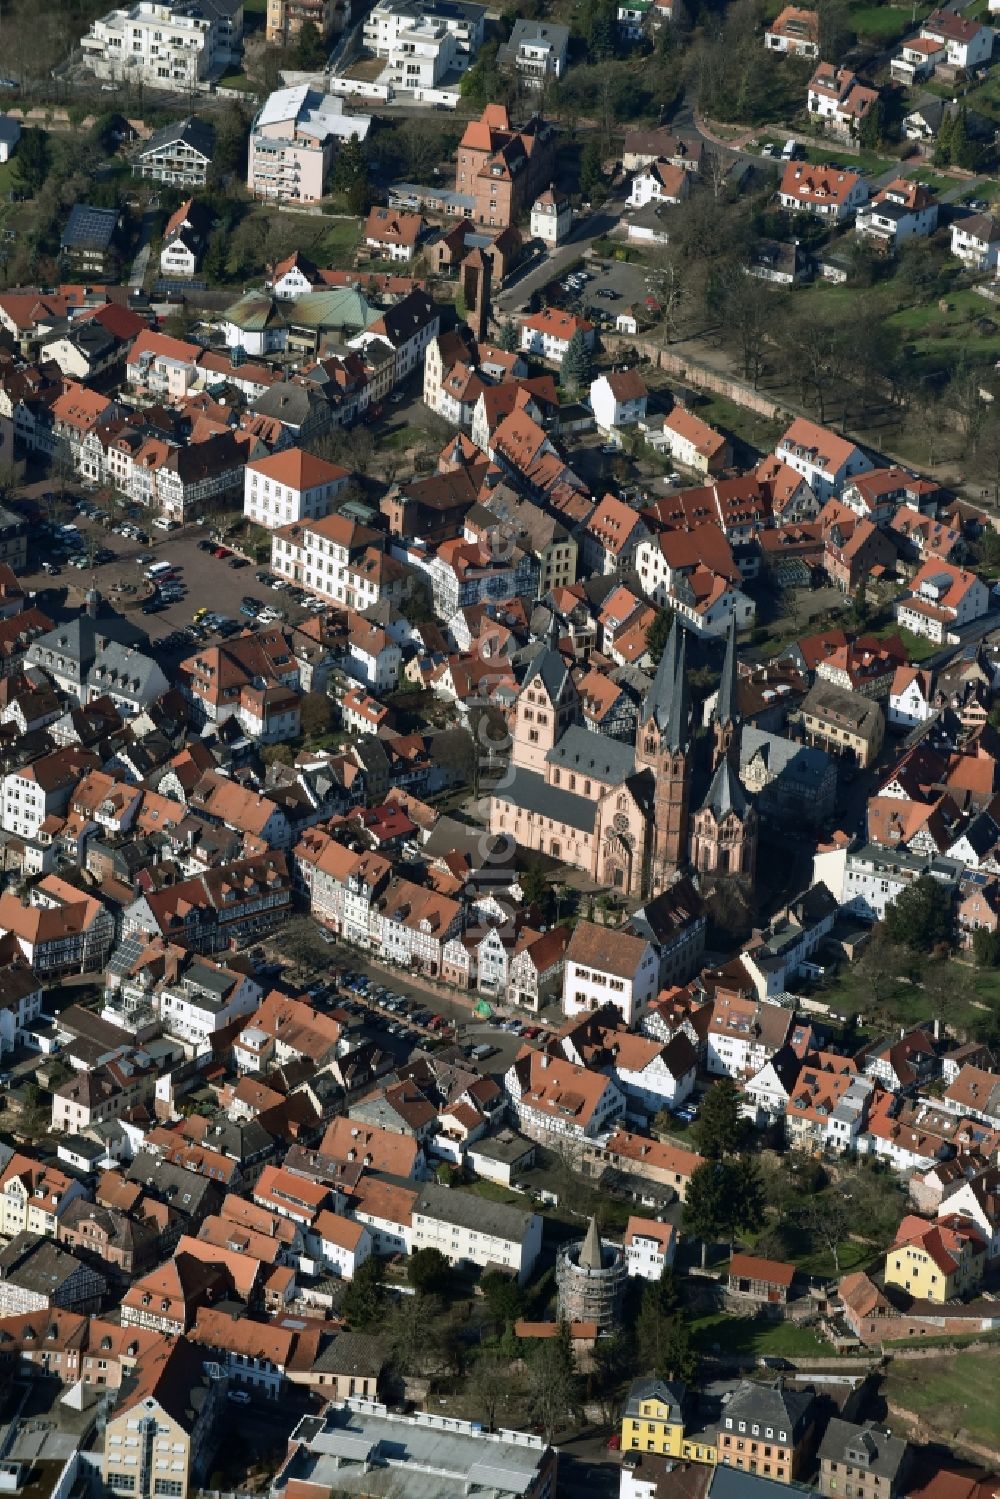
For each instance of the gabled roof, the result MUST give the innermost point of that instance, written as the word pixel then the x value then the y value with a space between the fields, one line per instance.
pixel 194 135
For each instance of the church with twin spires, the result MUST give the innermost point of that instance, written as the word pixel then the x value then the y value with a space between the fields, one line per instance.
pixel 622 812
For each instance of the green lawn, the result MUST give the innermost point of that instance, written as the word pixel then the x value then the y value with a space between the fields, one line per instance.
pixel 494 1192
pixel 951 1394
pixel 401 438
pixel 940 336
pixel 987 986
pixel 934 180
pixel 858 161
pixel 985 98
pixel 238 81
pixel 886 22
pixel 987 191
pixel 747 1335
pixel 339 242
pixel 849 994
pixel 918 646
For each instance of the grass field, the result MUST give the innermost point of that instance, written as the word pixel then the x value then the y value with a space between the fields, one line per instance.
pixel 860 161
pixel 886 22
pixel 918 646
pixel 494 1192
pixel 849 994
pixel 985 98
pixel 941 334
pixel 986 191
pixel 746 1335
pixel 821 1262
pixel 857 161
pixel 934 180
pixel 339 241
pixel 238 81
pixel 951 1394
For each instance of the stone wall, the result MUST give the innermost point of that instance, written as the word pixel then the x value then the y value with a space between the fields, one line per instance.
pixel 691 372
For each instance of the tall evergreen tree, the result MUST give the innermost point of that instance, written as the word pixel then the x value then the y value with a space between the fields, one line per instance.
pixel 576 363
pixel 309 51
pixel 721 1129
pixel 508 336
pixel 963 151
pixel 942 146
pixel 871 131
pixel 657 634
pixel 350 165
pixel 705 1205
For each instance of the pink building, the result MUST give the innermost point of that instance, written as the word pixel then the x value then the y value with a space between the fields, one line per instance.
pixel 293 141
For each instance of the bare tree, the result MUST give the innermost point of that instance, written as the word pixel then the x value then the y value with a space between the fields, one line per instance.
pixel 746 308
pixel 667 284
pixel 489 1384
pixel 718 168
pixel 828 1219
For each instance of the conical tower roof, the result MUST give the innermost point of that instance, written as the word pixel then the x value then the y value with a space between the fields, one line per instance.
pixel 590 1250
pixel 726 793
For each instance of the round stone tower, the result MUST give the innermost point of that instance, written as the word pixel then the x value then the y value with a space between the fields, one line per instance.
pixel 590 1281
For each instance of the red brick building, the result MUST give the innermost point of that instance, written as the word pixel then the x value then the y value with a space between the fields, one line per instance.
pixel 503 169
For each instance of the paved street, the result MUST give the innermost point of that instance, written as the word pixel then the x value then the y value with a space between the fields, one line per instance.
pixel 594 226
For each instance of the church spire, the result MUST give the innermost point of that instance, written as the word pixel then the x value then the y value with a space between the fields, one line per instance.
pixel 677 726
pixel 725 793
pixel 658 701
pixel 727 705
pixel 667 704
pixel 726 718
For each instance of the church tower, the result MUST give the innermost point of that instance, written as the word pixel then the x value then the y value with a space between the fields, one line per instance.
pixel 724 828
pixel 663 746
pixel 726 718
pixel 547 704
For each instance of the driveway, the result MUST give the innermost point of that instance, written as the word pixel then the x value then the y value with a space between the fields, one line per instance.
pixel 140 264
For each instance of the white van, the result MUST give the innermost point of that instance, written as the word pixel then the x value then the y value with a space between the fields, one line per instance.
pixel 788 151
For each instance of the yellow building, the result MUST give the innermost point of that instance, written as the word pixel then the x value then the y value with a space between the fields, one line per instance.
pixel 163 1429
pixel 934 1261
pixel 654 1422
pixel 285 19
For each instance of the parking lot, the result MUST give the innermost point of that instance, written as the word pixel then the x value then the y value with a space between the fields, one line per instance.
pixel 399 1017
pixel 612 285
pixel 205 581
